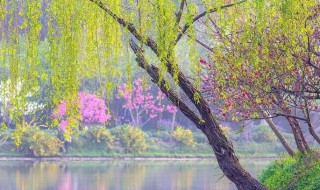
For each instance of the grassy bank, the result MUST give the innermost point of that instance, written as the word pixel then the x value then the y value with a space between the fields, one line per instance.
pixel 298 173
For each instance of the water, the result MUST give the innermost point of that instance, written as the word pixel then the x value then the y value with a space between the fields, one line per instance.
pixel 118 175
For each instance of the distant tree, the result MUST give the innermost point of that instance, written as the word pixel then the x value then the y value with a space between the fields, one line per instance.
pixel 140 102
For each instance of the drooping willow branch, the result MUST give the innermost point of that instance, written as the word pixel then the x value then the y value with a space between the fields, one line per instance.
pixel 184 83
pixel 148 41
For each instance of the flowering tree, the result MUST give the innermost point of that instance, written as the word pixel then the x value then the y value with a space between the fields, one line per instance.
pixel 92 109
pixel 141 103
pixel 243 97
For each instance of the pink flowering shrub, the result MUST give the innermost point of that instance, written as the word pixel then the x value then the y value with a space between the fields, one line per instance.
pixel 92 109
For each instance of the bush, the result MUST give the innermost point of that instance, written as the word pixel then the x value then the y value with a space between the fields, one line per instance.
pixel 131 138
pixel 6 144
pixel 35 142
pixel 299 173
pixel 183 136
pixel 99 135
pixel 43 144
pixel 264 134
pixel 163 135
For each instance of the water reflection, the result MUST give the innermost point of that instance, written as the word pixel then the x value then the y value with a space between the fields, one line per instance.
pixel 117 175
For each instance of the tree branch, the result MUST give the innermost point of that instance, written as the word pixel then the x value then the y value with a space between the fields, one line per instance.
pixel 291 116
pixel 179 14
pixel 196 18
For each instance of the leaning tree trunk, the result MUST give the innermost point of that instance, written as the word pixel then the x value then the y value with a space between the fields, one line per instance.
pixel 223 150
pixel 280 137
pixel 312 132
pixel 298 135
pixel 310 127
pixel 228 161
pixel 278 134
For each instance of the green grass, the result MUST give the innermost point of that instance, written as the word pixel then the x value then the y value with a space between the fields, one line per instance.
pixel 298 173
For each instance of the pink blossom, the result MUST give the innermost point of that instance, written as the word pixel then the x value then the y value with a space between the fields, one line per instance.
pixel 92 109
pixel 153 115
pixel 63 125
pixel 141 102
pixel 172 109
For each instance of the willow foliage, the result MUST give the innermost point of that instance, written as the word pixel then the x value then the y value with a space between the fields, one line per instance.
pixel 84 38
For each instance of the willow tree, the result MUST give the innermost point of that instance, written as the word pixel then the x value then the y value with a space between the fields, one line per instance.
pixel 86 38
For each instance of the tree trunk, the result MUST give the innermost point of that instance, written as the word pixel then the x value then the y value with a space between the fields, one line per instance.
pixel 280 137
pixel 312 132
pixel 172 126
pixel 310 127
pixel 298 135
pixel 278 134
pixel 228 161
pixel 223 150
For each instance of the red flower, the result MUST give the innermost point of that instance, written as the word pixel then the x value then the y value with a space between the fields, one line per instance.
pixel 203 61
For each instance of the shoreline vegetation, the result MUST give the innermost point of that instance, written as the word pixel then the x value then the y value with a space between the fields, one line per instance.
pixel 129 142
pixel 89 158
pixel 72 158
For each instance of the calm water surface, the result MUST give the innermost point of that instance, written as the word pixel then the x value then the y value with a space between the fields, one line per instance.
pixel 118 175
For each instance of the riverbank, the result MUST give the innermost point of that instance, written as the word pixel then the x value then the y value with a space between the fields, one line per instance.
pixel 17 158
pixel 115 143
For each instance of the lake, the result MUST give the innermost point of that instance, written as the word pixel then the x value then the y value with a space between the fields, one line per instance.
pixel 119 175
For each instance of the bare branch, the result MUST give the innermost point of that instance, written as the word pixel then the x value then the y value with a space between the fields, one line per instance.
pixel 179 14
pixel 197 17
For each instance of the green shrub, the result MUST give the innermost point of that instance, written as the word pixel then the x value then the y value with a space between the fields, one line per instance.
pixel 131 138
pixel 99 135
pixel 264 134
pixel 35 142
pixel 43 144
pixel 163 135
pixel 6 143
pixel 183 136
pixel 299 173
